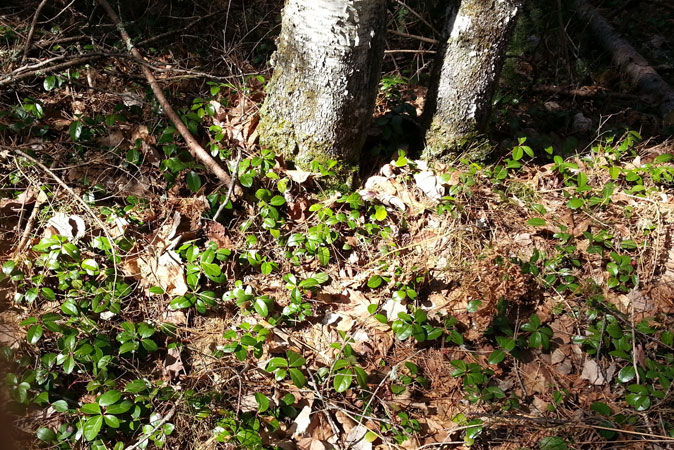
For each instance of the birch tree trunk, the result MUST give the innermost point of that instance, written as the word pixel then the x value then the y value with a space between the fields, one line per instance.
pixel 472 57
pixel 327 66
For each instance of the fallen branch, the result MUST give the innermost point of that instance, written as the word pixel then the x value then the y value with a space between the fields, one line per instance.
pixel 54 68
pixel 414 36
pixel 585 92
pixel 197 151
pixel 26 46
pixel 177 29
pixel 630 62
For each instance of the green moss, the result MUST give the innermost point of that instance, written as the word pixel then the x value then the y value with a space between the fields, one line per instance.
pixel 446 145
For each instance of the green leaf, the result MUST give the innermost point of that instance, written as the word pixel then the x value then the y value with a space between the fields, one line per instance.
pixel 34 334
pixel 601 407
pixel 374 282
pixel 75 130
pixel 518 152
pixel 157 290
pixel 69 365
pixel 92 427
pixel 575 203
pixel 496 357
pixel 323 255
pixel 297 377
pixel 361 377
pixel 626 374
pixel 640 402
pixel 211 269
pixel 46 434
pixel 295 359
pixel 473 306
pixel 180 303
pixel 342 382
pixel 277 200
pixel 60 406
pixel 262 401
pixel 308 283
pixel 537 222
pixel 111 421
pixel 91 408
pixel 90 265
pixel 48 293
pixel 149 345
pixel 552 443
pixel 49 84
pixel 261 307
pixel 119 408
pixel 380 212
pixel 276 363
pixel 69 307
pixel 397 389
pixel 193 181
pixel 137 386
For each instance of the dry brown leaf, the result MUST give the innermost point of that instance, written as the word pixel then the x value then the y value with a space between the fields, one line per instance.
pixel 173 364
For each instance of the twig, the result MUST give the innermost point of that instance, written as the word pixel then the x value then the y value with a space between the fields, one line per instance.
pixel 166 418
pixel 197 151
pixel 403 50
pixel 26 46
pixel 29 227
pixel 65 8
pixel 418 16
pixel 177 30
pixel 86 207
pixel 231 186
pixel 414 36
pixel 42 70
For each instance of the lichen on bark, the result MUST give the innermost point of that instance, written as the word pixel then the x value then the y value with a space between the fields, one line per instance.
pixel 326 70
pixel 471 60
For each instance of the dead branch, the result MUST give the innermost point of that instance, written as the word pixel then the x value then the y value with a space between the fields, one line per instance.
pixel 197 151
pixel 26 46
pixel 414 36
pixel 177 29
pixel 631 63
pixel 585 92
pixel 42 70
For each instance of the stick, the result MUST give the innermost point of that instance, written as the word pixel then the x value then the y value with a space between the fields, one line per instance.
pixel 29 227
pixel 26 46
pixel 197 151
pixel 146 436
pixel 75 62
pixel 231 186
pixel 414 36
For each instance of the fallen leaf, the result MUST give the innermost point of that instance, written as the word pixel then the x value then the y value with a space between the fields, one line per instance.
pixel 173 364
pixel 592 373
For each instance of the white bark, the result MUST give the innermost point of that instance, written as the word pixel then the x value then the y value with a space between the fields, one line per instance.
pixel 472 60
pixel 326 71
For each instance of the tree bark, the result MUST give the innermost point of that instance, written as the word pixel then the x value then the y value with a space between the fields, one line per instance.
pixel 326 71
pixel 642 75
pixel 467 70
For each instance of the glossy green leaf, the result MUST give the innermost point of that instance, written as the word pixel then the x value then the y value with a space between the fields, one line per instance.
pixel 92 426
pixel 342 382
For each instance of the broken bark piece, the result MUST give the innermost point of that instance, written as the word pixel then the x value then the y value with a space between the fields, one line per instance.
pixel 642 75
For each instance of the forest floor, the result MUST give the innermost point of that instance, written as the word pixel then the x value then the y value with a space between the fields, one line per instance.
pixel 525 301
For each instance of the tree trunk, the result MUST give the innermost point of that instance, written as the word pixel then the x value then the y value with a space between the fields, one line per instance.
pixel 469 65
pixel 326 71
